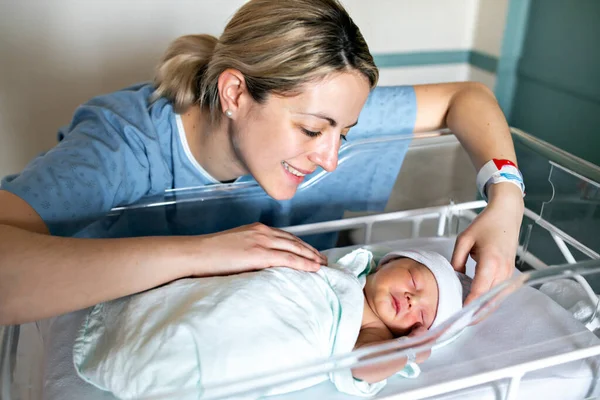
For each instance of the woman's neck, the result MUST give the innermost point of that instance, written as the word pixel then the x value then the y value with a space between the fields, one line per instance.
pixel 211 145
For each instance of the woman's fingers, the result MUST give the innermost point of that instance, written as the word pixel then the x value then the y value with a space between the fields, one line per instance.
pixel 491 270
pixel 257 246
pixel 282 258
pixel 290 250
pixel 462 248
pixel 492 241
pixel 253 247
pixel 286 235
pixel 494 303
pixel 484 278
pixel 274 247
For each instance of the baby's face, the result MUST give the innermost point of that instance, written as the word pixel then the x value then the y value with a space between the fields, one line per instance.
pixel 402 293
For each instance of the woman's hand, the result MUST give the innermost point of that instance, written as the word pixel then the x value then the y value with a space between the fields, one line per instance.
pixel 252 247
pixel 492 239
pixel 472 113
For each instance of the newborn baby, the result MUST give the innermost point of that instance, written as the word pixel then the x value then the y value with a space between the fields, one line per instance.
pixel 189 337
pixel 410 292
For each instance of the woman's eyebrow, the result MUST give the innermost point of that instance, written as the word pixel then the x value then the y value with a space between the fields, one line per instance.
pixel 331 121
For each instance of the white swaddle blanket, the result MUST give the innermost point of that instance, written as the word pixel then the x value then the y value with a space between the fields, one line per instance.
pixel 172 341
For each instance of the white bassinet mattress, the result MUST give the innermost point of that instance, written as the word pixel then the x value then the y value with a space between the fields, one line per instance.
pixel 526 327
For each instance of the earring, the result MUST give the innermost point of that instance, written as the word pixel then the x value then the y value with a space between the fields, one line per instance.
pixel 229 113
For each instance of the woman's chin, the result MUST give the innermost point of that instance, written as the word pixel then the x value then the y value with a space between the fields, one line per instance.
pixel 280 192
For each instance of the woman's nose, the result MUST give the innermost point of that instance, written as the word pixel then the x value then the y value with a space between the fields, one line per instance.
pixel 326 155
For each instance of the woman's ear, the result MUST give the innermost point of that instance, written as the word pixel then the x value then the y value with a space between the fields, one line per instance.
pixel 232 92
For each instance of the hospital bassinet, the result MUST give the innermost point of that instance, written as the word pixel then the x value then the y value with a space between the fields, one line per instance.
pixel 538 341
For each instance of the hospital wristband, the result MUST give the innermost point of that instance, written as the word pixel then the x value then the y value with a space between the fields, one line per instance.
pixel 498 171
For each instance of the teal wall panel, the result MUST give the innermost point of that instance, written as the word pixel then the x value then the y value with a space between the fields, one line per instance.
pixel 558 117
pixel 477 59
pixel 557 95
pixel 392 60
pixel 510 53
pixel 483 61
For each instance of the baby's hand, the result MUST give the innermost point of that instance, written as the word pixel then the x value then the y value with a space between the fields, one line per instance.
pixel 418 330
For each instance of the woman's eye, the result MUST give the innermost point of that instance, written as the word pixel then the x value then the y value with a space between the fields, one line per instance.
pixel 311 133
pixel 344 138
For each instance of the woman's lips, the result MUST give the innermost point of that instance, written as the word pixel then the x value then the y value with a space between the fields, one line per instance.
pixel 304 171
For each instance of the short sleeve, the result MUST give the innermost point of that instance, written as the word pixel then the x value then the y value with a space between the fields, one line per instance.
pixel 389 110
pixel 100 163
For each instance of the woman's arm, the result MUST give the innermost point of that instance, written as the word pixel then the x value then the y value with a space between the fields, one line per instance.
pixel 471 111
pixel 43 275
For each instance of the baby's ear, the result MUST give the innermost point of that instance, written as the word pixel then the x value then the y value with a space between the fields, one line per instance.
pixel 465 282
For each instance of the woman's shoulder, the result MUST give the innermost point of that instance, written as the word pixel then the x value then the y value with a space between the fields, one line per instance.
pixel 131 103
pixel 139 92
pixel 114 151
pixel 126 109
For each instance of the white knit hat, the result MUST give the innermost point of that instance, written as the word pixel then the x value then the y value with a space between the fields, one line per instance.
pixel 450 289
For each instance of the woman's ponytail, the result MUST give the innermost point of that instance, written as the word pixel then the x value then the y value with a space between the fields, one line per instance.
pixel 179 73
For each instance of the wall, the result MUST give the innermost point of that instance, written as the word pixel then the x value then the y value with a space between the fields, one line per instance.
pixel 487 38
pixel 417 41
pixel 557 92
pixel 56 55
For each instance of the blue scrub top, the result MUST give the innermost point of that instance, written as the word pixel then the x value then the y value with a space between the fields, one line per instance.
pixel 119 148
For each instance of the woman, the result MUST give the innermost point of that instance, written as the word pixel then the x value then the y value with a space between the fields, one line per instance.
pixel 273 97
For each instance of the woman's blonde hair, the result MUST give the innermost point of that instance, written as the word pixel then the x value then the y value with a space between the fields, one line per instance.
pixel 277 45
